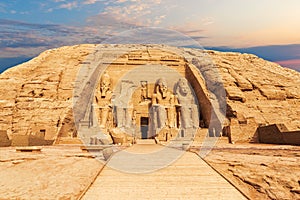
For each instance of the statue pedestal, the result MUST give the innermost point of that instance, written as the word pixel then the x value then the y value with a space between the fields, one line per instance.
pixel 166 134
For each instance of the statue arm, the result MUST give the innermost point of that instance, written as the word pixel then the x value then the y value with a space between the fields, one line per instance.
pixel 192 100
pixel 177 91
pixel 154 99
pixel 176 102
pixel 173 100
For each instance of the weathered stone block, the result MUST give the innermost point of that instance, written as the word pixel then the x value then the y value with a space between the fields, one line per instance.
pixel 20 140
pixel 278 134
pixel 4 140
pixel 272 93
pixel 234 93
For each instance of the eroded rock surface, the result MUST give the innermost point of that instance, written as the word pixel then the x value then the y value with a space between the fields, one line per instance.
pixel 260 171
pixel 258 92
pixel 37 96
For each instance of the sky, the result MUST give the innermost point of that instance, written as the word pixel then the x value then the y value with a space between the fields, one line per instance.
pixel 268 28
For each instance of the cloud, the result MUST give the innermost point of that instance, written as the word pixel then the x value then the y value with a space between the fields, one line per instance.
pixel 69 5
pixel 132 13
pixel 285 55
pixel 8 52
pixel 121 1
pixel 292 64
pixel 19 26
pixel 6 63
pixel 123 15
pixel 276 52
pixel 63 4
pixel 28 39
pixel 88 2
pixel 152 35
pixel 207 21
pixel 191 30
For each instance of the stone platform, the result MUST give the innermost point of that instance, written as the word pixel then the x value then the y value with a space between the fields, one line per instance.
pixel 145 141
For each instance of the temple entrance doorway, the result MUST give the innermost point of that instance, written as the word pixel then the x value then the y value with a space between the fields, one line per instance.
pixel 144 127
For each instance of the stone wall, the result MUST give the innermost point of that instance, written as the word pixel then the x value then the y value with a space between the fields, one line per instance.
pixel 278 134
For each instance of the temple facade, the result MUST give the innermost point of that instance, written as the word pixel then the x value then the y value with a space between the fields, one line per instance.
pixel 146 93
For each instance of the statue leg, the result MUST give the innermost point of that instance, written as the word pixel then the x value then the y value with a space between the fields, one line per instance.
pixel 128 118
pixel 120 117
pixel 171 112
pixel 162 116
pixel 186 117
pixel 104 116
pixel 153 121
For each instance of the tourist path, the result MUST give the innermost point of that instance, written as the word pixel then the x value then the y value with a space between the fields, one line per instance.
pixel 144 171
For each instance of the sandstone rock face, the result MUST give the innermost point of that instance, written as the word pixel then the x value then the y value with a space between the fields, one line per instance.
pixel 259 92
pixel 37 96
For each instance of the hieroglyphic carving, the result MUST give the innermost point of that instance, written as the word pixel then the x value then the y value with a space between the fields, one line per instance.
pixel 144 91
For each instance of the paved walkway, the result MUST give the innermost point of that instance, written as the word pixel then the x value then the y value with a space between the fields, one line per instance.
pixel 146 172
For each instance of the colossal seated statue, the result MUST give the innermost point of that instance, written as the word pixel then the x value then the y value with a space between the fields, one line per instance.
pixel 103 100
pixel 163 113
pixel 188 109
pixel 123 109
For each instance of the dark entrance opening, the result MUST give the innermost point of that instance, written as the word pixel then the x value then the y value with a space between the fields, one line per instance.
pixel 144 127
pixel 43 133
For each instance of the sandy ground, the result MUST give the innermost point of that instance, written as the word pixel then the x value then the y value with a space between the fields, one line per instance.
pixel 260 171
pixel 54 173
pixel 60 172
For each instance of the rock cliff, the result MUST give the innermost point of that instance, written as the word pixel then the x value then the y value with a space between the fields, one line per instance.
pixel 37 96
pixel 259 92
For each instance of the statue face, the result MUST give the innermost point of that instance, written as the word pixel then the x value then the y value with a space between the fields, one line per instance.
pixel 104 84
pixel 163 88
pixel 184 88
pixel 104 87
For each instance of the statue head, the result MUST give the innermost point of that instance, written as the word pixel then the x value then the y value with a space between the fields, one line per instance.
pixel 104 84
pixel 183 87
pixel 162 87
